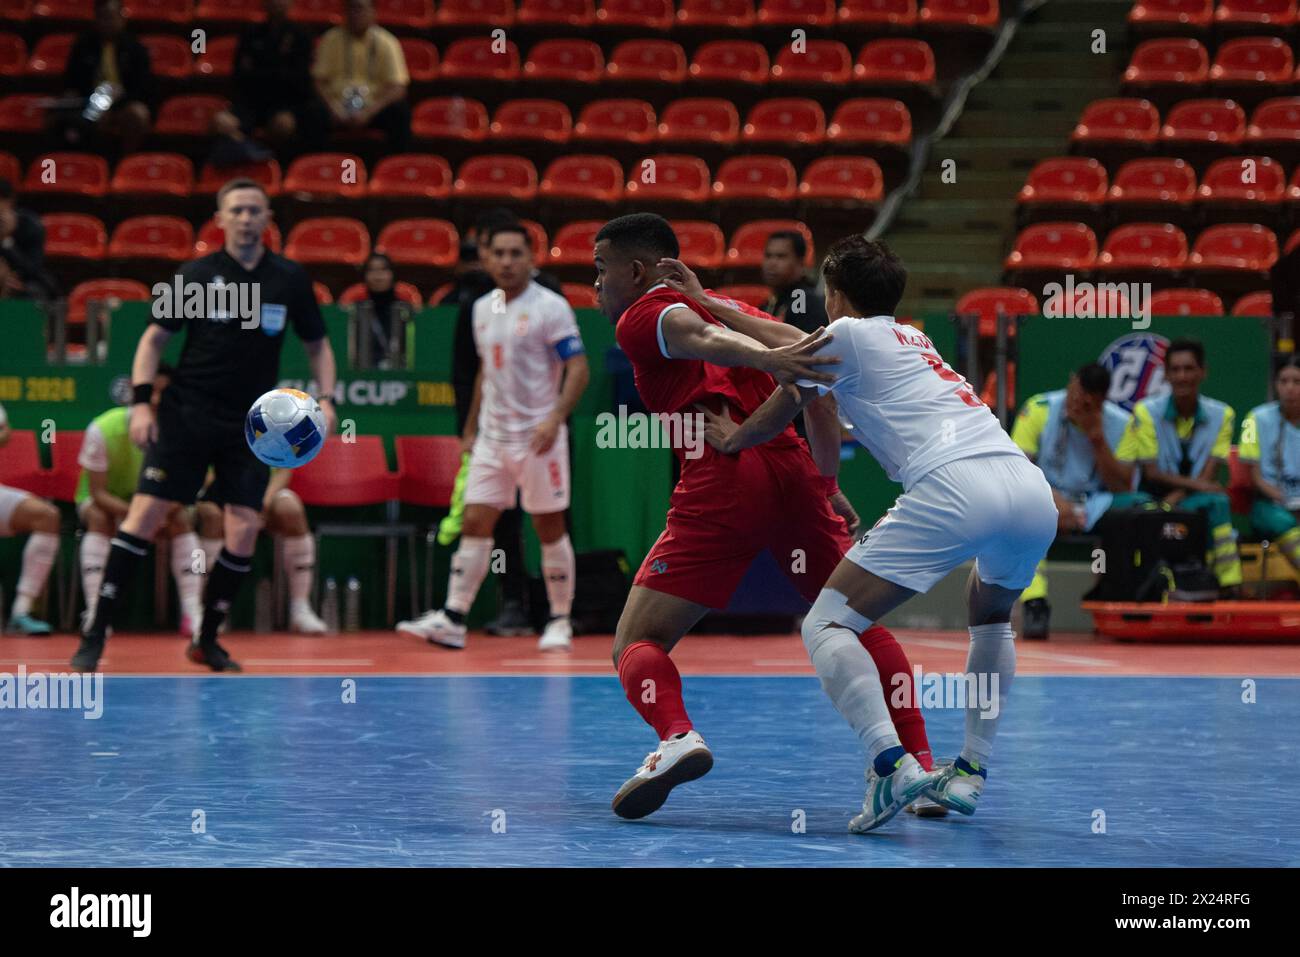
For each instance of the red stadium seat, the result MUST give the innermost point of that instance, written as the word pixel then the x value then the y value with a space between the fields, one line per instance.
pixel 564 13
pixel 1154 181
pixel 1235 247
pixel 751 294
pixel 402 290
pixel 894 62
pixel 74 236
pixel 16 11
pixel 731 61
pixel 821 62
pixel 971 14
pixel 152 237
pixel 702 244
pixel 573 244
pixel 598 178
pixel 870 120
pixel 318 12
pixel 580 295
pixel 20 462
pixel 893 13
pixel 218 58
pixel 322 292
pixel 1232 181
pixel 22 113
pixel 415 175
pixel 188 115
pixel 1187 13
pixel 855 179
pixel 1291 243
pixel 81 173
pixel 749 241
pixel 329 239
pixel 421 58
pixel 413 14
pixel 212 237
pixel 1159 246
pixel 669 177
pixel 1068 246
pixel 1271 13
pixel 650 61
pixel 231 11
pixel 266 172
pixel 1169 60
pixel 342 175
pixel 643 14
pixel 473 58
pixel 1254 304
pixel 169 57
pixel 786 120
pixel 64 10
pixel 13 54
pixel 450 118
pixel 49 56
pixel 427 466
pixel 1186 302
pixel 746 178
pixel 476 13
pixel 347 474
pixel 1065 180
pixel 1205 121
pixel 567 61
pixel 1276 120
pixel 1266 60
pixel 10 168
pixel 989 302
pixel 1118 119
pixel 631 121
pixel 112 291
pixel 699 120
pixel 158 11
pixel 496 177
pixel 797 13
pixel 547 121
pixel 167 174
pixel 734 14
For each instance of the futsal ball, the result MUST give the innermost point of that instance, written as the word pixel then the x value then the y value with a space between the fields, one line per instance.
pixel 285 428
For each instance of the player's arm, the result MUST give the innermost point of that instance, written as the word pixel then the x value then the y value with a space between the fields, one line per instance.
pixel 821 421
pixel 320 357
pixel 144 368
pixel 576 376
pixel 771 334
pixel 101 496
pixel 468 436
pixel 768 421
pixel 1263 486
pixel 687 336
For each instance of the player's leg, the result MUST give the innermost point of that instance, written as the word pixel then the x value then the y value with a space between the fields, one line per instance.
pixel 210 521
pixel 1276 523
pixel 187 563
pixel 100 528
pixel 286 519
pixel 1225 560
pixel 22 513
pixel 544 491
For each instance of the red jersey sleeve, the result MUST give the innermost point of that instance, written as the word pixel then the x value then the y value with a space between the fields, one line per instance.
pixel 637 333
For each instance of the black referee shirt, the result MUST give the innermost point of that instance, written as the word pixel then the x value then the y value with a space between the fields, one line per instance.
pixel 223 367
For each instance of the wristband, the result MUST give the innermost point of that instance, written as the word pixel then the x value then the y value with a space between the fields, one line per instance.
pixel 142 393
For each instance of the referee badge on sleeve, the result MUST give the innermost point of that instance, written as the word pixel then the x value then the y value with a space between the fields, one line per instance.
pixel 273 316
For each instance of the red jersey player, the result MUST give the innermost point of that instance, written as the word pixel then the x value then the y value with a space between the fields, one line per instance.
pixel 726 509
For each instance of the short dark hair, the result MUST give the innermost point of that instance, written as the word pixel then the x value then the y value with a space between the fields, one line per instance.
pixel 241 182
pixel 1291 361
pixel 641 234
pixel 796 240
pixel 490 219
pixel 388 263
pixel 1193 346
pixel 515 227
pixel 867 273
pixel 1094 379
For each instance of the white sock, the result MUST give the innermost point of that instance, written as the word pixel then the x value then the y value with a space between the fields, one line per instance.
pixel 558 570
pixel 94 556
pixel 189 584
pixel 992 654
pixel 469 566
pixel 38 559
pixel 300 564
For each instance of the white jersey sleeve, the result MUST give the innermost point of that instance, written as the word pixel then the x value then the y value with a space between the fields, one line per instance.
pixel 94 450
pixel 843 347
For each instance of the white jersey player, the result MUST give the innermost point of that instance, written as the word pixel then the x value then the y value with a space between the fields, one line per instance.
pixel 22 513
pixel 532 372
pixel 968 492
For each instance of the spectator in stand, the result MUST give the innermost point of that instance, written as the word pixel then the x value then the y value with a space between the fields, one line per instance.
pixel 109 70
pixel 381 297
pixel 22 251
pixel 273 93
pixel 795 298
pixel 361 76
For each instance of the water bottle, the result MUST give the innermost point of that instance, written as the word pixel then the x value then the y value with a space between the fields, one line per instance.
pixel 352 605
pixel 329 606
pixel 100 102
pixel 262 607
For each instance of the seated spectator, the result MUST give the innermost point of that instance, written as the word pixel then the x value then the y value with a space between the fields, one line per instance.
pixel 795 298
pixel 1270 446
pixel 22 251
pixel 109 71
pixel 361 76
pixel 379 323
pixel 273 93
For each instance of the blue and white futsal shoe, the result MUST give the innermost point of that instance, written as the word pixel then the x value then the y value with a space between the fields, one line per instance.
pixel 27 625
pixel 890 793
pixel 958 786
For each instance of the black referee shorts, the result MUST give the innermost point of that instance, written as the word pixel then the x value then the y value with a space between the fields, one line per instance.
pixel 192 438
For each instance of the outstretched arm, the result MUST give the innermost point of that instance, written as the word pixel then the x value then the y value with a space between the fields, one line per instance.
pixel 687 336
pixel 769 333
pixel 767 422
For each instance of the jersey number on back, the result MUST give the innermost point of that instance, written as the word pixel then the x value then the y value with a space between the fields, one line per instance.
pixel 964 391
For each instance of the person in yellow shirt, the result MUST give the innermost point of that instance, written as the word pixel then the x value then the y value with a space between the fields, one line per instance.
pixel 361 75
pixel 1180 442
pixel 1270 447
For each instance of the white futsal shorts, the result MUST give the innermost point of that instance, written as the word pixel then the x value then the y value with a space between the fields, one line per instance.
pixel 997 509
pixel 498 473
pixel 9 500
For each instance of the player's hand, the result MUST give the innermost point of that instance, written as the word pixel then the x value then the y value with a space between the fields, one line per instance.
pixel 144 425
pixel 799 360
pixel 543 436
pixel 842 507
pixel 467 443
pixel 1174 497
pixel 682 279
pixel 719 430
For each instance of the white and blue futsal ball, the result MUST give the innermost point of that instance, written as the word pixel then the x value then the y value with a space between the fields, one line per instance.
pixel 285 428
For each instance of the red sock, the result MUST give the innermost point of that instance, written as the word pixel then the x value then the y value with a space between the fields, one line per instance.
pixel 891 660
pixel 654 687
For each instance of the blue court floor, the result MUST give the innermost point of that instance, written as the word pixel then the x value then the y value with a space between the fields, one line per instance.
pixel 519 771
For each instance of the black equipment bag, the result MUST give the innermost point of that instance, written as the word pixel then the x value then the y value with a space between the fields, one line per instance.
pixel 1155 555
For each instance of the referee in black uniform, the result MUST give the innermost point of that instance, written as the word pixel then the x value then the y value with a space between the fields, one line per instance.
pixel 230 357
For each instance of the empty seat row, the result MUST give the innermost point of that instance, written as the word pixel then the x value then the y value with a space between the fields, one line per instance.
pixel 1163 247
pixel 1238 179
pixel 990 301
pixel 1184 61
pixel 1200 14
pixel 1196 121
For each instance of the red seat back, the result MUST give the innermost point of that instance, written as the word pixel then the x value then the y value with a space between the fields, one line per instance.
pixel 756 177
pixel 1065 180
pixel 699 120
pixel 65 471
pixel 871 120
pixel 420 242
pixel 669 176
pixel 1205 121
pixel 329 239
pixel 1186 302
pixel 1168 60
pixel 1118 118
pixel 347 474
pixel 652 61
pixel 749 241
pixel 450 117
pixel 731 61
pixel 412 174
pixel 20 462
pixel 74 235
pixel 1154 180
pixel 427 466
pixel 631 121
pixel 1144 246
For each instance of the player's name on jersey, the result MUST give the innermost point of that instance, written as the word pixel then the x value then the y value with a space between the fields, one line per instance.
pixel 216 301
pixel 661 430
pixel 1103 300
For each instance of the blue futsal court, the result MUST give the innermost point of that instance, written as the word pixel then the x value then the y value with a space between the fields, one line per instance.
pixel 519 771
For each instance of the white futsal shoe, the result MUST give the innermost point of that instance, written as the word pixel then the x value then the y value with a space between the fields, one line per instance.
pixel 558 635
pixel 678 760
pixel 888 795
pixel 436 628
pixel 924 806
pixel 305 621
pixel 957 789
